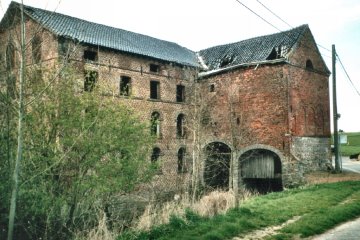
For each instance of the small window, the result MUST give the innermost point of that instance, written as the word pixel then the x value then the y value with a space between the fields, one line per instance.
pixel 10 57
pixel 90 80
pixel 181 160
pixel 180 126
pixel 212 88
pixel 309 64
pixel 154 90
pixel 154 68
pixel 155 155
pixel 180 93
pixel 125 86
pixel 90 55
pixel 155 124
pixel 36 49
pixel 63 46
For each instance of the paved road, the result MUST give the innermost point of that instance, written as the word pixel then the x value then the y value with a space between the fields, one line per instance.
pixel 346 231
pixel 350 164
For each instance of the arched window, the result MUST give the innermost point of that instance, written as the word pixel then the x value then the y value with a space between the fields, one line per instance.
pixel 155 124
pixel 155 154
pixel 181 160
pixel 180 126
pixel 309 64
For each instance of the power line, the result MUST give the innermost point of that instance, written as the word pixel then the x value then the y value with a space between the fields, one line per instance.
pixel 274 14
pixel 347 75
pixel 258 15
pixel 277 17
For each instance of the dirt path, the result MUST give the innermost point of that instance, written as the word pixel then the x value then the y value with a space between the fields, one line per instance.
pixel 262 233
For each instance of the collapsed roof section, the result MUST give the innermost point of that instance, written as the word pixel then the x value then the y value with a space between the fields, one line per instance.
pixel 261 49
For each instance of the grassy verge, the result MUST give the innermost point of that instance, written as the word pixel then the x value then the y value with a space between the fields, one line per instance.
pixel 321 207
pixel 353 144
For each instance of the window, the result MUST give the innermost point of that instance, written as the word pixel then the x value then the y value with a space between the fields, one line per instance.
pixel 154 90
pixel 63 46
pixel 180 93
pixel 154 68
pixel 155 124
pixel 10 57
pixel 212 88
pixel 180 126
pixel 36 49
pixel 181 160
pixel 125 86
pixel 90 80
pixel 309 64
pixel 155 155
pixel 90 55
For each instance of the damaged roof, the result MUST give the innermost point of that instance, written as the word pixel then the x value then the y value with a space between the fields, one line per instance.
pixel 109 37
pixel 258 49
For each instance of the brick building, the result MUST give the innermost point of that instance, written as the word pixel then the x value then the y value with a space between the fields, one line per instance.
pixel 262 104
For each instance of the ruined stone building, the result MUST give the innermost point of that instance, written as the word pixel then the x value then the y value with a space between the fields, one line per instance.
pixel 262 104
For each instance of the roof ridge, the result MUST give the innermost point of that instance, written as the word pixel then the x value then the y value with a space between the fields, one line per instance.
pixel 109 37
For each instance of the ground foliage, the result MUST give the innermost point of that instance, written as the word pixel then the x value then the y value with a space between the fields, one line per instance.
pixel 80 149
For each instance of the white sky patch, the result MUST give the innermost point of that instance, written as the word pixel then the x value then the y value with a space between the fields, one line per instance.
pixel 199 24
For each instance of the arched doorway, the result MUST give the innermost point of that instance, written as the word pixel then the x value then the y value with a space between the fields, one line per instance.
pixel 260 170
pixel 217 165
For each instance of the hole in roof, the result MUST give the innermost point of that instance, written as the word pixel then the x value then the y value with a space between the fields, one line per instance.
pixel 227 60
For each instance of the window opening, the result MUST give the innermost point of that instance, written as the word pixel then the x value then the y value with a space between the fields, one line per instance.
pixel 180 126
pixel 125 86
pixel 155 124
pixel 309 64
pixel 155 154
pixel 154 68
pixel 181 160
pixel 90 80
pixel 10 57
pixel 154 90
pixel 212 88
pixel 180 93
pixel 36 49
pixel 90 55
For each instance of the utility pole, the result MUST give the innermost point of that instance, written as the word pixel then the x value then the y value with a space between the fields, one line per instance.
pixel 335 113
pixel 18 159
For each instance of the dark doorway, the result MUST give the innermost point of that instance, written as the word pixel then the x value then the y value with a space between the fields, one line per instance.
pixel 217 165
pixel 261 171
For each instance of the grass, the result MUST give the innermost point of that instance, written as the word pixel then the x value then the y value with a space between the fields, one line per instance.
pixel 321 207
pixel 353 145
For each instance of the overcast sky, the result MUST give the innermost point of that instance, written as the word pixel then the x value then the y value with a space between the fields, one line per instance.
pixel 198 24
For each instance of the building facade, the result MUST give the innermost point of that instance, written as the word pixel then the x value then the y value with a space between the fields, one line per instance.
pixel 255 112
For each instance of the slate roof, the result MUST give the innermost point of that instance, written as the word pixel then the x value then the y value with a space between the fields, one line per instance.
pixel 258 49
pixel 109 37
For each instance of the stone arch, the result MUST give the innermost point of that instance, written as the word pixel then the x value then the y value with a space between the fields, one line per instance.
pixel 260 168
pixel 217 164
